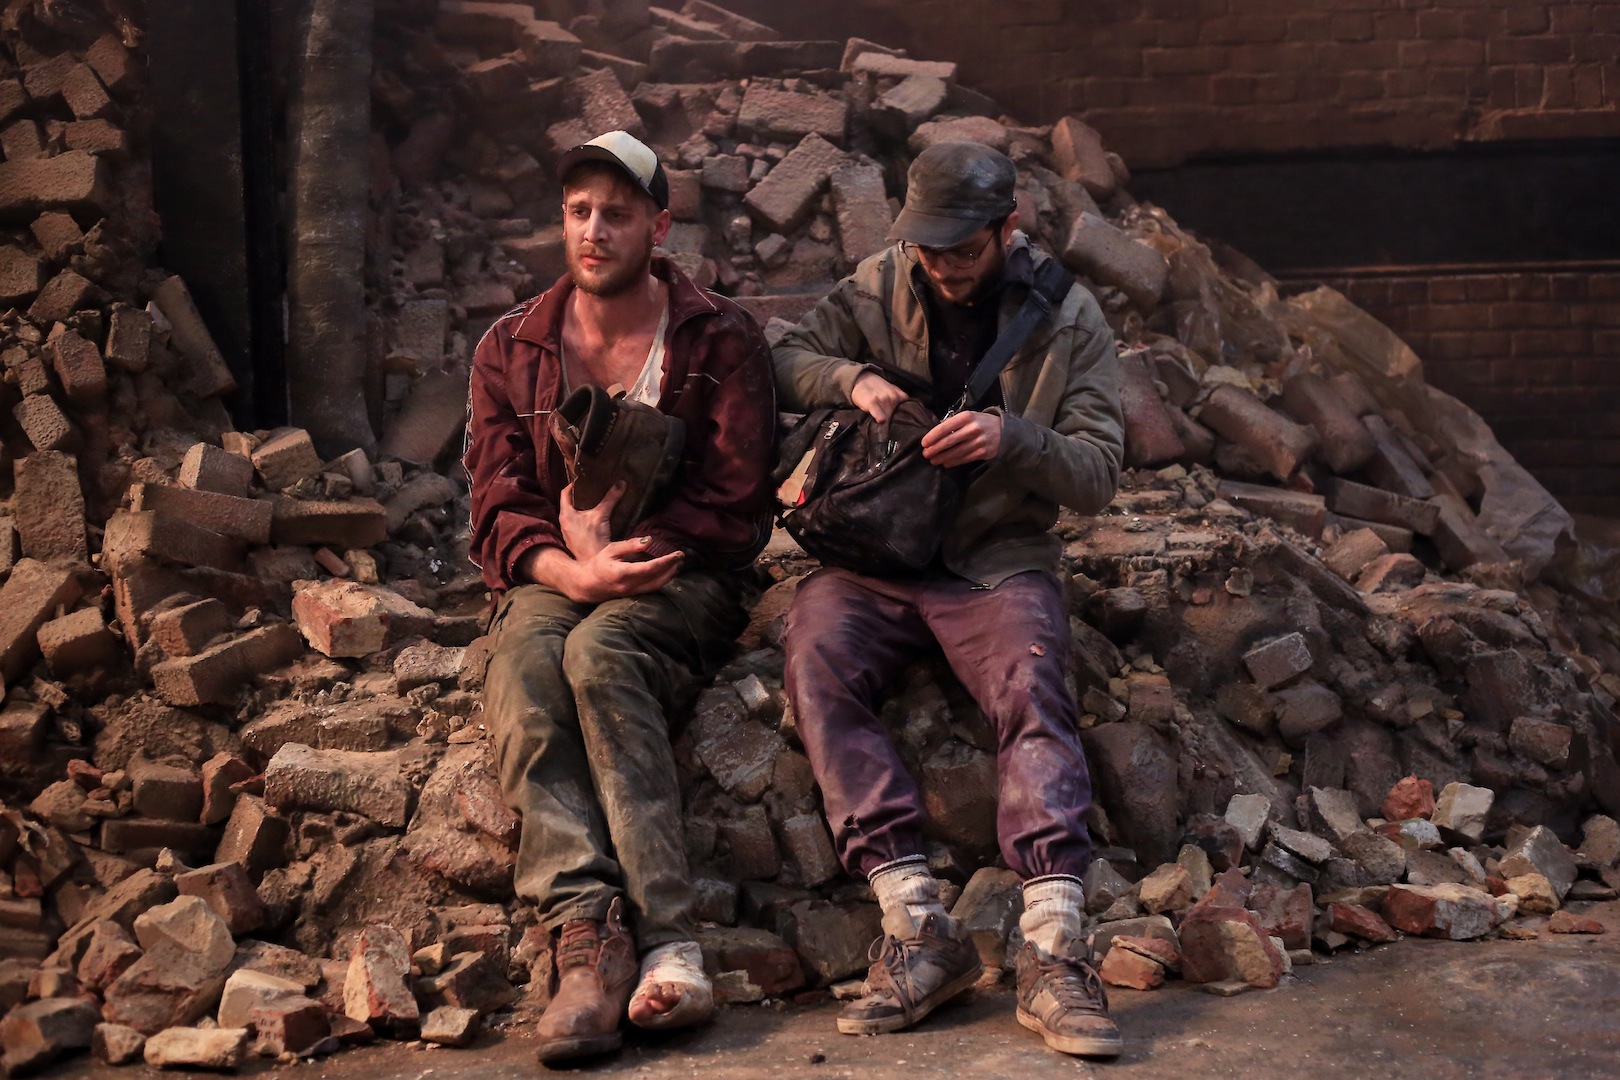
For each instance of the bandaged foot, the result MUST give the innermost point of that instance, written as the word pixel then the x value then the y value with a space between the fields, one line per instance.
pixel 674 991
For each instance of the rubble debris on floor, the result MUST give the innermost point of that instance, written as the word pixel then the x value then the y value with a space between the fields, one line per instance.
pixel 1330 692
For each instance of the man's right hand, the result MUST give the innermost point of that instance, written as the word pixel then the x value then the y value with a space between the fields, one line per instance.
pixel 876 396
pixel 619 569
pixel 598 568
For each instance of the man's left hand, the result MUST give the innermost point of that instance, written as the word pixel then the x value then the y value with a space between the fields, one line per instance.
pixel 964 438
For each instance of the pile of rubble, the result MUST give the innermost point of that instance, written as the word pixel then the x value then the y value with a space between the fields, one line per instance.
pixel 252 803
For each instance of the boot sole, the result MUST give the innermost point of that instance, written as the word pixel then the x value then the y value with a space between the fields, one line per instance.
pixel 886 1024
pixel 1080 1045
pixel 589 1046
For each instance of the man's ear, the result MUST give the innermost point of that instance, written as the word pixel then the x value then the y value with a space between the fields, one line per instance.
pixel 661 226
pixel 1008 226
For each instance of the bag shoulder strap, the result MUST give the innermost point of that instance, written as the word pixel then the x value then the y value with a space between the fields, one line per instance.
pixel 1052 283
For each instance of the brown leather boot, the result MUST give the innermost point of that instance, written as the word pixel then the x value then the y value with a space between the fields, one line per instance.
pixel 606 440
pixel 596 971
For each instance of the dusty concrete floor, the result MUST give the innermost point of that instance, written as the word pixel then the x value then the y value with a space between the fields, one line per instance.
pixel 1431 1009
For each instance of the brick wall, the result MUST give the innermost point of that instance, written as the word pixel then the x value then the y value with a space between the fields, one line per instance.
pixel 1536 353
pixel 1167 80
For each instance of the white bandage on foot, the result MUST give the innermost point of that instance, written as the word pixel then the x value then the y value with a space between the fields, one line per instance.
pixel 680 965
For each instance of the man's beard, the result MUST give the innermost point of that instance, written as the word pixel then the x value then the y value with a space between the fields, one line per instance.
pixel 622 275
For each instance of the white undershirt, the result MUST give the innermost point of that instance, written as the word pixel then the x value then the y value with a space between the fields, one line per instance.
pixel 647 385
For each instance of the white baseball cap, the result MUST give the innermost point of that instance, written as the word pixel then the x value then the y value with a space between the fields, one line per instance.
pixel 629 153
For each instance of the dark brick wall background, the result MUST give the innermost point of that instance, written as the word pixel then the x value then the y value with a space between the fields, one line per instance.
pixel 1534 349
pixel 1537 353
pixel 1168 80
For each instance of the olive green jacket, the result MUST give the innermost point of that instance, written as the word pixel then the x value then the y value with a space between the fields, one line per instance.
pixel 1062 429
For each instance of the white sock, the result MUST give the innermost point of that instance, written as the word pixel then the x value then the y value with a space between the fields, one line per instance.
pixel 1054 913
pixel 908 894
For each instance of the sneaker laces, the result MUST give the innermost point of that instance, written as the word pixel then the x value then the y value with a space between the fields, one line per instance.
pixel 895 955
pixel 1072 982
pixel 577 944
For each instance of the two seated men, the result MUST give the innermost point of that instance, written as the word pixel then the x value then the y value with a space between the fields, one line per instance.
pixel 601 639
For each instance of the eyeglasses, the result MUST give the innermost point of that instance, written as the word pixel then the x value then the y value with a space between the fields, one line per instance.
pixel 955 257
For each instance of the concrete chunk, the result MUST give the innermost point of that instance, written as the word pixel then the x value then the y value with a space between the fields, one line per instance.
pixel 1077 151
pixel 49 507
pixel 862 206
pixel 1448 910
pixel 1463 808
pixel 38 1033
pixel 783 200
pixel 1276 662
pixel 1539 851
pixel 302 778
pixel 1276 442
pixel 213 1049
pixel 782 114
pixel 1100 251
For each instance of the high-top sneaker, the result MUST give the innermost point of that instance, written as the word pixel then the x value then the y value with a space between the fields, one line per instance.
pixel 913 976
pixel 1061 998
pixel 596 970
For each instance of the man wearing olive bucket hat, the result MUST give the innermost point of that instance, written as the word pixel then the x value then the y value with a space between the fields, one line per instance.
pixel 914 320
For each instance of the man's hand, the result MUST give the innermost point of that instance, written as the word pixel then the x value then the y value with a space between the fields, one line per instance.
pixel 965 437
pixel 875 395
pixel 587 532
pixel 619 569
pixel 599 567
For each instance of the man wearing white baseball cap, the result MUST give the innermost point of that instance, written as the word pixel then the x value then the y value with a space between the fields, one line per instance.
pixel 607 624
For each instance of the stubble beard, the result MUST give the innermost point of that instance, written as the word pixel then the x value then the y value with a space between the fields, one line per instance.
pixel 622 276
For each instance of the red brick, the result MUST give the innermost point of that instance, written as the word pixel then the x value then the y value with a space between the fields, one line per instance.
pixel 355 523
pixel 1488 343
pixel 1233 89
pixel 1589 86
pixel 1360 55
pixel 186 630
pixel 45 424
pixel 78 642
pixel 1448 290
pixel 214 675
pixel 1409 291
pixel 49 506
pixel 1526 313
pixel 1439 23
pixel 1529 286
pixel 1487 287
pixel 1454 52
pixel 1287 56
pixel 1528 50
pixel 1203 60
pixel 133 535
pixel 1447 317
pixel 66 293
pixel 1315 26
pixel 1394 25
pixel 1595 314
pixel 244 519
pixel 72 181
pixel 227 890
pixel 1447 346
pixel 1352 26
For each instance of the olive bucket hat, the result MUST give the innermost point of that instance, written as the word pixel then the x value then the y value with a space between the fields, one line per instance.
pixel 954 189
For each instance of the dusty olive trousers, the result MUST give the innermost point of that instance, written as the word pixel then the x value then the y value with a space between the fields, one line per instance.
pixel 579 698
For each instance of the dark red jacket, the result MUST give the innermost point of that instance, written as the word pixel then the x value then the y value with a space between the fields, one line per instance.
pixel 717 381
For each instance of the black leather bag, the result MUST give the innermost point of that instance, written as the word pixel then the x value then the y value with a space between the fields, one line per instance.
pixel 859 494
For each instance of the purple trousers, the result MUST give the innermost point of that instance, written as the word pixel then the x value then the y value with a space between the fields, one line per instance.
pixel 848 635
